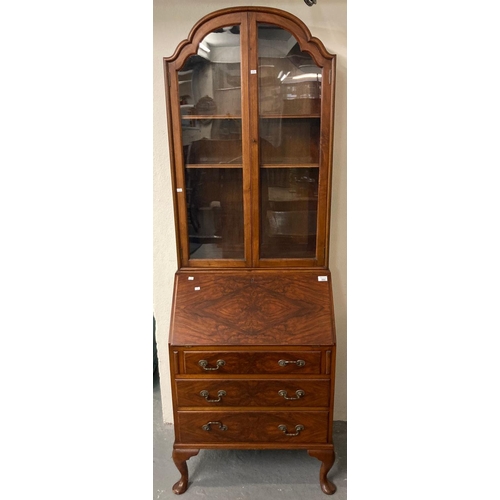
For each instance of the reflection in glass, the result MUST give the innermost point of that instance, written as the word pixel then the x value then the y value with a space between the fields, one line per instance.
pixel 289 80
pixel 289 145
pixel 215 213
pixel 222 146
pixel 289 140
pixel 289 199
pixel 210 104
pixel 210 81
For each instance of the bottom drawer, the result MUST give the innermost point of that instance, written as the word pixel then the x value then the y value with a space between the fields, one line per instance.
pixel 253 427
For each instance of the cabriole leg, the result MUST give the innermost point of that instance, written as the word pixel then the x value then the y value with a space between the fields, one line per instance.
pixel 180 457
pixel 327 457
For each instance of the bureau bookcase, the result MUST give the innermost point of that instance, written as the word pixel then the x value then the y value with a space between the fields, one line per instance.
pixel 250 98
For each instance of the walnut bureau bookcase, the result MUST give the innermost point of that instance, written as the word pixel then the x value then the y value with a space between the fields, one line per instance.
pixel 250 97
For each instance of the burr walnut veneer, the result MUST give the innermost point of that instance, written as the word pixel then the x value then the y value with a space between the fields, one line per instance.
pixel 252 337
pixel 252 358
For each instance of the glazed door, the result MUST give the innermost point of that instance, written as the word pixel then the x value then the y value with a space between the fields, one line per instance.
pixel 251 101
pixel 207 97
pixel 292 168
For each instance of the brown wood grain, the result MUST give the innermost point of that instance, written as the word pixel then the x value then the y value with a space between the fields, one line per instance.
pixel 246 142
pixel 252 311
pixel 250 308
pixel 327 457
pixel 249 362
pixel 326 158
pixel 253 426
pixel 247 18
pixel 180 457
pixel 253 105
pixel 253 393
pixel 266 14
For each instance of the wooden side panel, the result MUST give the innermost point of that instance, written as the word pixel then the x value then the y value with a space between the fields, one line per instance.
pixel 175 367
pixel 253 104
pixel 332 393
pixel 246 139
pixel 325 178
pixel 328 361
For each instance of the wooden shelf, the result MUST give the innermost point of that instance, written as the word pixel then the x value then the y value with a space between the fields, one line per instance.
pixel 238 165
pixel 214 165
pixel 289 116
pixel 286 195
pixel 234 117
pixel 210 117
pixel 289 165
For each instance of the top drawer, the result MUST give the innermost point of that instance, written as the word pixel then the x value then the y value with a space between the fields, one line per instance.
pixel 265 362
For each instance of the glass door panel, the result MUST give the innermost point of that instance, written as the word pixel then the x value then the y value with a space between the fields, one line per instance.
pixel 289 145
pixel 215 213
pixel 289 80
pixel 289 141
pixel 210 103
pixel 210 80
pixel 217 142
pixel 289 199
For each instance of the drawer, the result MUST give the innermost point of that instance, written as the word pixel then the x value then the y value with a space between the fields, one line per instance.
pixel 208 393
pixel 252 362
pixel 253 427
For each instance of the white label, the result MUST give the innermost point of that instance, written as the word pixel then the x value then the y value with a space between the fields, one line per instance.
pixel 253 71
pixel 179 190
pixel 190 278
pixel 196 287
pixel 322 278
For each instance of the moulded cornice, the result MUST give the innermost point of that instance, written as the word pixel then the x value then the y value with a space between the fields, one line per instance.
pixel 204 26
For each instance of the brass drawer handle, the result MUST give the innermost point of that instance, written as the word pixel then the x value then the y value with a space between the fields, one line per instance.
pixel 206 427
pixel 203 363
pixel 298 393
pixel 205 394
pixel 298 428
pixel 299 362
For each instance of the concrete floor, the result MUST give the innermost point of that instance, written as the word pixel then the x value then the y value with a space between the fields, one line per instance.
pixel 244 474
